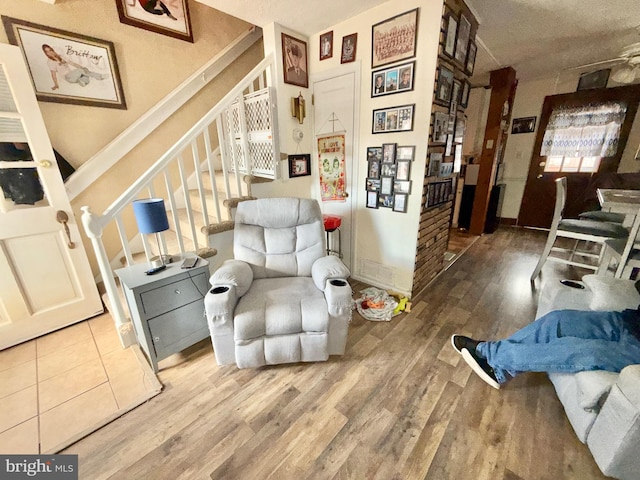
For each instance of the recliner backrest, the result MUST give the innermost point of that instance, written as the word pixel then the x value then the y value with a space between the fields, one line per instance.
pixel 279 237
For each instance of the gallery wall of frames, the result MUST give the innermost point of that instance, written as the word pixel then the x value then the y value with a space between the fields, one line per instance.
pixel 455 66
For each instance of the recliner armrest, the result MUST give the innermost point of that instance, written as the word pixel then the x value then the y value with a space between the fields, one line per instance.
pixel 219 305
pixel 328 268
pixel 233 272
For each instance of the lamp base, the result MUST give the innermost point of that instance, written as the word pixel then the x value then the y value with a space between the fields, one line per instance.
pixel 161 260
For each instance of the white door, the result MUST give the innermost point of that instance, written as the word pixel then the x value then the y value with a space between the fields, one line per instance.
pixel 335 103
pixel 45 278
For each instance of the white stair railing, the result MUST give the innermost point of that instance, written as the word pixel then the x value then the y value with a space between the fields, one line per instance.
pixel 192 155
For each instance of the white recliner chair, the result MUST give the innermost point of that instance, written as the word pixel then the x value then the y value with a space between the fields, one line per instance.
pixel 281 299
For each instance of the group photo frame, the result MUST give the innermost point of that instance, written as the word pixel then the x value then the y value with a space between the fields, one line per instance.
pixel 440 127
pixel 393 119
pixel 394 39
pixel 66 67
pixel 294 61
pixel 166 18
pixel 462 40
pixel 396 79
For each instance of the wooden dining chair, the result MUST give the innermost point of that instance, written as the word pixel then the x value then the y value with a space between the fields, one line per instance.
pixel 625 251
pixel 587 230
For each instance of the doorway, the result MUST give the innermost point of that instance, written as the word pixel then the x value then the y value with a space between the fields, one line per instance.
pixel 538 199
pixel 335 103
pixel 45 279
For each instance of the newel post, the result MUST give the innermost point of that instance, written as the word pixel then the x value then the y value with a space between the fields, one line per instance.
pixel 93 226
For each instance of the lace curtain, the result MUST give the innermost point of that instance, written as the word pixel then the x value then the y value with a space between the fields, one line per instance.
pixel 586 131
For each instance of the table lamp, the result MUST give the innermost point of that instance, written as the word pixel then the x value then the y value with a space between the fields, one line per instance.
pixel 151 217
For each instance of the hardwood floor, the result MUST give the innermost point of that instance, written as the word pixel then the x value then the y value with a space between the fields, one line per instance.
pixel 401 404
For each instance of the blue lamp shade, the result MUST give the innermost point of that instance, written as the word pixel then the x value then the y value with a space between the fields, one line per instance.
pixel 151 215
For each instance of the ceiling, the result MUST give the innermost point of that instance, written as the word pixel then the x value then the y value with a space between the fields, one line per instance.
pixel 538 38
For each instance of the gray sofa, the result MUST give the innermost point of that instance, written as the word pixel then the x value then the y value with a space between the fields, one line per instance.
pixel 602 407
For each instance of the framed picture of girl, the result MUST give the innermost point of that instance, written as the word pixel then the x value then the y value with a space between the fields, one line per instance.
pixel 167 17
pixel 66 67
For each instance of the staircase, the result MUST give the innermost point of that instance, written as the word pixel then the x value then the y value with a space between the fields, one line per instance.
pixel 201 178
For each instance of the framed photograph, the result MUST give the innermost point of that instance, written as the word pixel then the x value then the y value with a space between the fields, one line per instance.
pixel 373 184
pixel 388 170
pixel 462 40
pixel 403 170
pixel 391 80
pixel 326 45
pixel 393 119
pixel 455 95
pixel 405 153
pixel 349 44
pixel 444 86
pixel 386 185
pixel 372 199
pixel 374 169
pixel 457 159
pixel 400 202
pixel 168 18
pixel 449 145
pixel 596 79
pixel 385 201
pixel 452 123
pixel 299 165
pixel 394 39
pixel 440 126
pixel 458 136
pixel 464 96
pixel 451 29
pixel 471 58
pixel 294 61
pixel 438 192
pixel 374 154
pixel 523 125
pixel 435 160
pixel 446 169
pixel 402 186
pixel 66 67
pixel 389 152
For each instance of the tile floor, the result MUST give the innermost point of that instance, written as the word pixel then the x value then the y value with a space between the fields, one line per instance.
pixel 58 388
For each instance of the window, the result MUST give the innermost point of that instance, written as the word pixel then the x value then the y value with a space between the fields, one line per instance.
pixel 572 164
pixel 577 138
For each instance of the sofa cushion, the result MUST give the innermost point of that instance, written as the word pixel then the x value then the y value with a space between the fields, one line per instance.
pixel 611 294
pixel 593 388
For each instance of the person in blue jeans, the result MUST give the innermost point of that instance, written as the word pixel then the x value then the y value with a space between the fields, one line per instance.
pixel 566 341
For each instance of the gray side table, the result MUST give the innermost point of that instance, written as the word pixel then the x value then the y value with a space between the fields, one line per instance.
pixel 167 309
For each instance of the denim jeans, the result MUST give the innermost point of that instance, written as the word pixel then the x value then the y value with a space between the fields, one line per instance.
pixel 566 341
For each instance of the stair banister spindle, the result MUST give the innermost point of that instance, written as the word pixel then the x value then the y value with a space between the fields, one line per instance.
pixel 123 240
pixel 187 202
pixel 174 210
pixel 198 173
pixel 227 156
pixel 244 145
pixel 212 171
pixel 94 226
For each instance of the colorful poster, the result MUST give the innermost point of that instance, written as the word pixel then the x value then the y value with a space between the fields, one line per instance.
pixel 331 164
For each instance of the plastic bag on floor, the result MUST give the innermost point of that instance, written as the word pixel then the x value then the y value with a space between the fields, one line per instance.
pixel 376 305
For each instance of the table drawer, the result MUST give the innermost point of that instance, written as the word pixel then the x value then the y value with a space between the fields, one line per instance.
pixel 175 330
pixel 174 295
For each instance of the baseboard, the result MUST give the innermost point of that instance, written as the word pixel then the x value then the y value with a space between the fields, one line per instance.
pixel 508 221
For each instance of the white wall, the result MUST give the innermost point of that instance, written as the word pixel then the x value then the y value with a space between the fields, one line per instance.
pixel 519 148
pixel 384 242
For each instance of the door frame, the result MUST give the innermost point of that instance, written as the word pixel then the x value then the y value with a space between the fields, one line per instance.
pixel 534 190
pixel 351 187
